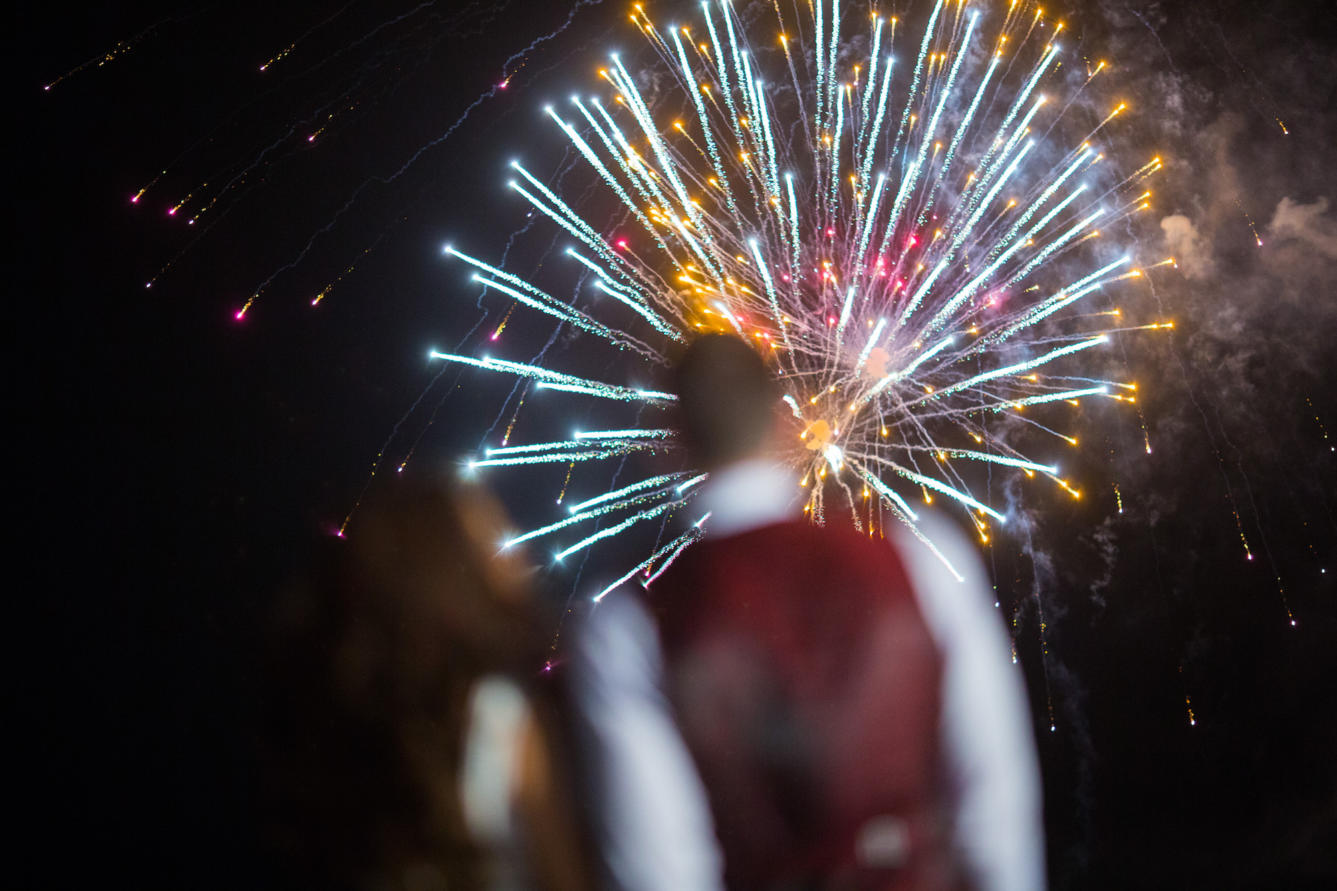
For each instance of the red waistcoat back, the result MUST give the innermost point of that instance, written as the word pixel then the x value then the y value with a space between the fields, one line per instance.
pixel 807 688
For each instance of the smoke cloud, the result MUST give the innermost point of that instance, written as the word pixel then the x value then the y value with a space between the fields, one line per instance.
pixel 1308 223
pixel 1187 247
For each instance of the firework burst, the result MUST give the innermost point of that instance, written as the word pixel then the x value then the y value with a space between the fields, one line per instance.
pixel 903 236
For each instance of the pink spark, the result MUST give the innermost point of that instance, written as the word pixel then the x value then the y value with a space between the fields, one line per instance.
pixel 134 199
pixel 621 244
pixel 172 212
pixel 830 320
pixel 311 138
pixel 239 315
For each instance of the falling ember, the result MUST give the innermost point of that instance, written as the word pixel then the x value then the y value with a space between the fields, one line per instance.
pixel 1239 526
pixel 1258 240
pixel 566 482
pixel 505 440
pixel 1319 422
pixel 1146 436
pixel 502 327
pixel 105 57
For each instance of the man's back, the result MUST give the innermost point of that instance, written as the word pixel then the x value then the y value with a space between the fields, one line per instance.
pixel 806 685
pixel 835 712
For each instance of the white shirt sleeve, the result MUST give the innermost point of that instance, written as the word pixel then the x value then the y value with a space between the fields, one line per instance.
pixel 498 715
pixel 652 821
pixel 989 746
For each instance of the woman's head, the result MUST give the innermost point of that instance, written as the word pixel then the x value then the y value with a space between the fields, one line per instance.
pixel 373 656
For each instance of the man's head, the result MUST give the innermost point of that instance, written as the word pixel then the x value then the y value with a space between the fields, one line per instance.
pixel 726 400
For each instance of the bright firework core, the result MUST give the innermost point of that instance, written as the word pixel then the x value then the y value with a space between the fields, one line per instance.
pixel 891 218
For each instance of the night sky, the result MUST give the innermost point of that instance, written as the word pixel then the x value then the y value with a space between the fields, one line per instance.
pixel 184 463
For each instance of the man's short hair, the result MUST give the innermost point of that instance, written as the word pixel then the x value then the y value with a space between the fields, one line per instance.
pixel 726 399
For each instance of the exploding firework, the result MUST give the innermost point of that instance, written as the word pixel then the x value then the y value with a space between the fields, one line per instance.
pixel 904 237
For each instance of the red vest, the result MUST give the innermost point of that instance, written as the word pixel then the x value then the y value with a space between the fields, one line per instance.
pixel 807 688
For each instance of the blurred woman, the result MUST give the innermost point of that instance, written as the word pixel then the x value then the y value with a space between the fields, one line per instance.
pixel 410 743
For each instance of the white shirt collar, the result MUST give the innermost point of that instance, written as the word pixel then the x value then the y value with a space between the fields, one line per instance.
pixel 746 496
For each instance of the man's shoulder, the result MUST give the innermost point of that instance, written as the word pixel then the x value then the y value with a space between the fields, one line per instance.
pixel 789 549
pixel 804 532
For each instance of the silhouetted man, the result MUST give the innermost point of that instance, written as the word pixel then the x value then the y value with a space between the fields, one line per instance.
pixel 847 714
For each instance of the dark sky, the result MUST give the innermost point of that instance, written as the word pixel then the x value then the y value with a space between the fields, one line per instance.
pixel 184 463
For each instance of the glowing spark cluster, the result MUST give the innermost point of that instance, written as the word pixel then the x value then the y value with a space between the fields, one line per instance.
pixel 891 230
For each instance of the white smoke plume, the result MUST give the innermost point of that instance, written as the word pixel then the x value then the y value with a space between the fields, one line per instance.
pixel 1187 247
pixel 1309 223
